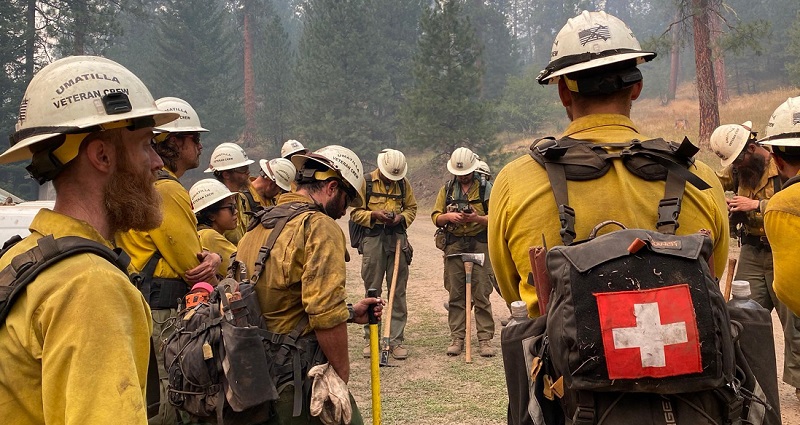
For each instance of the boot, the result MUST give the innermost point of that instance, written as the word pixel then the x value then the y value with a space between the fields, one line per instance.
pixel 486 349
pixel 456 347
pixel 399 352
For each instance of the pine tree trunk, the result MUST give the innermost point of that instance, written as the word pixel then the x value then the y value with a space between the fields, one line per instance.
pixel 80 10
pixel 706 87
pixel 30 39
pixel 719 60
pixel 249 81
pixel 674 61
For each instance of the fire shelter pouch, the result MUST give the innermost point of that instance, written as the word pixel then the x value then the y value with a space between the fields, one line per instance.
pixel 638 311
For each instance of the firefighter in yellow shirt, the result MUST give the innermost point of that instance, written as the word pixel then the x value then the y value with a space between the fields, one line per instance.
pixel 304 277
pixel 230 165
pixel 782 217
pixel 752 175
pixel 74 346
pixel 597 93
pixel 461 210
pixel 215 208
pixel 274 178
pixel 168 260
pixel 389 209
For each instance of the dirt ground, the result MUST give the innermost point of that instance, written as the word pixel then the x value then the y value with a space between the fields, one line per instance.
pixel 431 388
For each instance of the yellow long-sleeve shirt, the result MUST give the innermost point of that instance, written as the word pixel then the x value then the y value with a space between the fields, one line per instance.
pixel 782 223
pixel 215 241
pixel 305 273
pixel 523 207
pixel 75 345
pixel 176 239
pixel 379 202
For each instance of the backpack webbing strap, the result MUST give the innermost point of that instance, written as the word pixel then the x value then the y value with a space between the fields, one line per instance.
pixel 277 217
pixel 144 279
pixel 449 199
pixel 669 208
pixel 566 215
pixel 790 182
pixel 25 267
pixel 369 192
pixel 585 413
pixel 288 345
pixel 251 201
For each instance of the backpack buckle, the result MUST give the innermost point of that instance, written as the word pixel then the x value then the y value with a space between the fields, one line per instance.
pixel 566 216
pixel 668 211
pixel 584 415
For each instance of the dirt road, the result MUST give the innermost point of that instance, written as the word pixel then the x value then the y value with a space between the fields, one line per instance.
pixel 432 388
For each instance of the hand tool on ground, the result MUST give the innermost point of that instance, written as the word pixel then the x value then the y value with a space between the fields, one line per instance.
pixel 374 369
pixel 469 260
pixel 387 327
pixel 729 278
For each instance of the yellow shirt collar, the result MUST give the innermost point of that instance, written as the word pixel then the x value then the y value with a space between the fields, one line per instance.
pixel 48 222
pixel 597 127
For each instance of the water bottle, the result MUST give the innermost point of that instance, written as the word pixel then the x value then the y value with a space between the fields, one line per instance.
pixel 740 289
pixel 519 313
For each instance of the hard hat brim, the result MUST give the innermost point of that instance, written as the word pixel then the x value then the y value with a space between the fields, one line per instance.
pixel 776 140
pixel 463 172
pixel 182 130
pixel 641 57
pixel 389 175
pixel 230 167
pixel 21 151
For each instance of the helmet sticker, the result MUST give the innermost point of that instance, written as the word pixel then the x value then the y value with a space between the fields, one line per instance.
pixel 598 32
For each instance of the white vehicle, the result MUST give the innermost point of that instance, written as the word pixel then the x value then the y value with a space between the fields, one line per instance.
pixel 15 219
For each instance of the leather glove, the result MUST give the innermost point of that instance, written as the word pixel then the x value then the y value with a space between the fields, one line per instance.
pixel 330 398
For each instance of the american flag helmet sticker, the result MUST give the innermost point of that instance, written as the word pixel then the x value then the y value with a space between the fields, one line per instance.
pixel 595 33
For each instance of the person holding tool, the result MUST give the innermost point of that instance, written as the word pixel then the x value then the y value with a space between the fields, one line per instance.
pixel 389 209
pixel 461 209
pixel 304 278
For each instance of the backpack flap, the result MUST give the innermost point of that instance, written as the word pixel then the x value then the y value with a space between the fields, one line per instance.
pixel 648 321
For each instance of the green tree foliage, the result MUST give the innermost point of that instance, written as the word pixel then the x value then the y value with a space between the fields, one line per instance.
pixel 341 83
pixel 81 26
pixel 527 106
pixel 274 62
pixel 500 56
pixel 444 108
pixel 793 67
pixel 198 59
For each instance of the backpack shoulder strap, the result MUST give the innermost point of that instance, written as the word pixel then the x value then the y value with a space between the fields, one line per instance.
pixel 251 201
pixel 790 182
pixel 402 184
pixel 482 195
pixel 368 180
pixel 569 159
pixel 448 197
pixel 275 218
pixel 25 267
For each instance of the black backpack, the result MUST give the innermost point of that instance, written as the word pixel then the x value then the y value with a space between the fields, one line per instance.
pixel 223 364
pixel 636 328
pixel 358 232
pixel 25 267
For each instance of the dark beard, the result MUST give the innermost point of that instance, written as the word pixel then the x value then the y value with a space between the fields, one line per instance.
pixel 750 174
pixel 131 199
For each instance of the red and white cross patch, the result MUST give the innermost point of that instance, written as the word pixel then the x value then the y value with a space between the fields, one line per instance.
pixel 649 333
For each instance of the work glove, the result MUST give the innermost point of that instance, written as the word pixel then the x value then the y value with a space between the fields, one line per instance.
pixel 330 398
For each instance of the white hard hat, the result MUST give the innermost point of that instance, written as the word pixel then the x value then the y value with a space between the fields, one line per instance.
pixel 228 156
pixel 279 170
pixel 591 40
pixel 188 122
pixel 206 193
pixel 80 95
pixel 728 140
pixel 392 164
pixel 344 162
pixel 291 147
pixel 783 128
pixel 483 168
pixel 462 162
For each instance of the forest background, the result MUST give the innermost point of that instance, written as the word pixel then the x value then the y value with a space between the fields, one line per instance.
pixel 422 76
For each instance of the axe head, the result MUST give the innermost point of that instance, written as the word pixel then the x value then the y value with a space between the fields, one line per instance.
pixel 473 258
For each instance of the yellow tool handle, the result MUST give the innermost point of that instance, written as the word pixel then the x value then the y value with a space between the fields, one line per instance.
pixel 374 360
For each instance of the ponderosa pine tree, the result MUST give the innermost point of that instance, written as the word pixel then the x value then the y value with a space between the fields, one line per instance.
pixel 443 108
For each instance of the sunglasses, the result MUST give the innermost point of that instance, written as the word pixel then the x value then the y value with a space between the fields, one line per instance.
pixel 241 170
pixel 195 137
pixel 230 207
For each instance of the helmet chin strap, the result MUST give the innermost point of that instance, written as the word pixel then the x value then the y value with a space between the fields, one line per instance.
pixel 319 205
